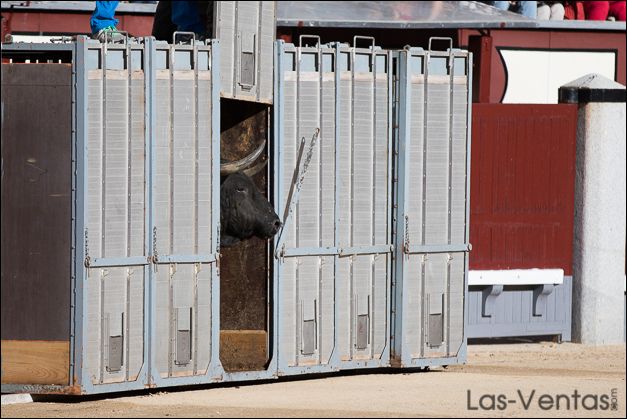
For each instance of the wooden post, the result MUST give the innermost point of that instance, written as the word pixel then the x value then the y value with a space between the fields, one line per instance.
pixel 481 48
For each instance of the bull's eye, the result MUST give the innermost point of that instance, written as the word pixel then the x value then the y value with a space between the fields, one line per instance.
pixel 240 189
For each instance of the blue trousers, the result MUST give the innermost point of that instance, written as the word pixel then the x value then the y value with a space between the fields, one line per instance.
pixel 103 15
pixel 184 15
pixel 186 18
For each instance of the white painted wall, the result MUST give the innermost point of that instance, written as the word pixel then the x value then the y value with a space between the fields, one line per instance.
pixel 534 76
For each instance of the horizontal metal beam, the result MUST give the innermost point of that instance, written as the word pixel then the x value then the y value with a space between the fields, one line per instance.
pixel 366 250
pixel 339 251
pixel 144 260
pixel 438 248
pixel 118 262
pixel 33 47
pixel 166 259
pixel 309 251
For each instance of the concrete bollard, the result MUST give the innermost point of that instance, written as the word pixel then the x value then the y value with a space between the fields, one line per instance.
pixel 599 230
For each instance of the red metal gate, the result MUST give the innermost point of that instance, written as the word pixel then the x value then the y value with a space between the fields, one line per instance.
pixel 522 186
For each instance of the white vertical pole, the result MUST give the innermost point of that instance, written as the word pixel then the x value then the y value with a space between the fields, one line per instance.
pixel 599 229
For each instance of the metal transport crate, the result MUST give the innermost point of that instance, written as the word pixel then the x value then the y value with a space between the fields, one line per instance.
pixel 110 213
pixel 121 190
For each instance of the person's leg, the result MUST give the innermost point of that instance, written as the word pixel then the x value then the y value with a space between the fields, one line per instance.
pixel 503 5
pixel 527 8
pixel 596 10
pixel 103 16
pixel 617 9
pixel 544 12
pixel 186 18
pixel 557 11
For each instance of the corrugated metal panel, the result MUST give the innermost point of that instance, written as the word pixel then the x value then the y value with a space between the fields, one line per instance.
pixel 246 30
pixel 364 199
pixel 115 233
pixel 116 309
pixel 523 177
pixel 183 305
pixel 184 232
pixel 343 204
pixel 309 280
pixel 432 198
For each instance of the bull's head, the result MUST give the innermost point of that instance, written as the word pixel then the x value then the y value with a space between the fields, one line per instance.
pixel 244 211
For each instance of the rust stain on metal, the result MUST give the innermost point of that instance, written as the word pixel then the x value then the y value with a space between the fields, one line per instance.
pixel 75 390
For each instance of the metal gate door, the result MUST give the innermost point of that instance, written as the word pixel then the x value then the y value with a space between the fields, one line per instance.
pixel 246 30
pixel 185 213
pixel 432 216
pixel 111 164
pixel 333 254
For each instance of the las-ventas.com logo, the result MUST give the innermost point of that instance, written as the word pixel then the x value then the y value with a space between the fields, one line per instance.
pixel 573 401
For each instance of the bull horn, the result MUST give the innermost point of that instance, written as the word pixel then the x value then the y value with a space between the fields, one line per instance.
pixel 252 171
pixel 236 166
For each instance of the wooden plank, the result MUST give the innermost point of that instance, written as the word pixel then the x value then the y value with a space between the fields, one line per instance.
pixel 35 362
pixel 243 350
pixel 481 48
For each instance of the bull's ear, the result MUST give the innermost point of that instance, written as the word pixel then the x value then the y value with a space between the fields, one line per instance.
pixel 226 240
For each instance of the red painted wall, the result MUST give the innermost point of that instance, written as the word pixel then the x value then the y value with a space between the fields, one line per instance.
pixel 522 186
pixel 65 23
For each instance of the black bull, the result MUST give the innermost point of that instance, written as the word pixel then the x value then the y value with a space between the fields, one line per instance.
pixel 244 211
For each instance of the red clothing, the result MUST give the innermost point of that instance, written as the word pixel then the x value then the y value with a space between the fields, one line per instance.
pixel 596 10
pixel 573 10
pixel 617 9
pixel 600 10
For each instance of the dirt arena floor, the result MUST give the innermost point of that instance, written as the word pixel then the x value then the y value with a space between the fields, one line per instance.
pixel 521 379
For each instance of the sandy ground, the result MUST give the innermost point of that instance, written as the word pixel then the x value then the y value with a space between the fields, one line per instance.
pixel 495 374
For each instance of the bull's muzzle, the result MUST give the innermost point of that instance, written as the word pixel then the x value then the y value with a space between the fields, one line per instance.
pixel 276 226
